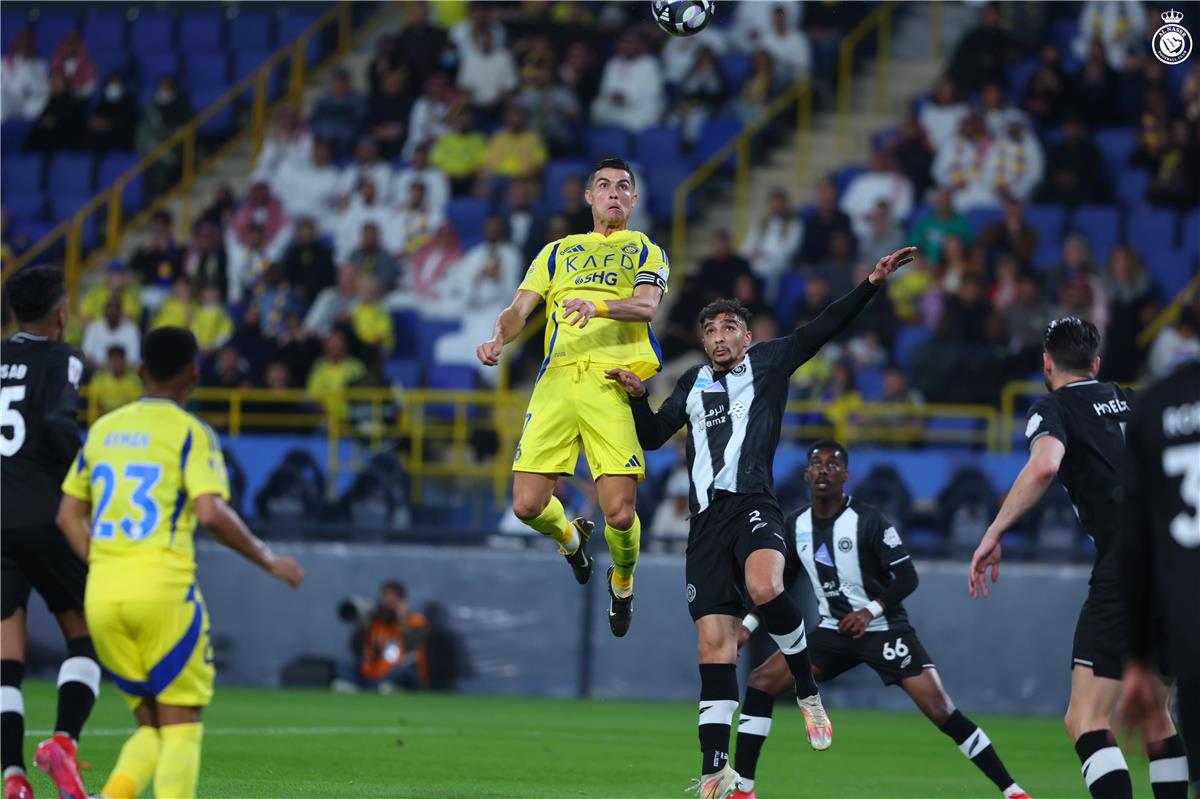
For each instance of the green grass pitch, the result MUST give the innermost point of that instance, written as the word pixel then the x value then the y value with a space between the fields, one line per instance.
pixel 276 743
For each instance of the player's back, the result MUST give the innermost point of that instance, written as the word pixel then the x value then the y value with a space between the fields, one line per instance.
pixel 142 466
pixel 1089 418
pixel 39 436
pixel 594 267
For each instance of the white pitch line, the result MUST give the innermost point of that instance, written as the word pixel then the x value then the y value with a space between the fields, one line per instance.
pixel 115 732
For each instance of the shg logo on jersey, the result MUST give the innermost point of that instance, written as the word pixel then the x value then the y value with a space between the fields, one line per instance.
pixel 1172 43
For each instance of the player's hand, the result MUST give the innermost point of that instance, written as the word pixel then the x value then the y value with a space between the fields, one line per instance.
pixel 888 264
pixel 743 636
pixel 488 352
pixel 855 624
pixel 627 380
pixel 286 569
pixel 986 554
pixel 578 312
pixel 1139 711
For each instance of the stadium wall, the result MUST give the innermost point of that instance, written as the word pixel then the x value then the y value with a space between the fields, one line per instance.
pixel 529 629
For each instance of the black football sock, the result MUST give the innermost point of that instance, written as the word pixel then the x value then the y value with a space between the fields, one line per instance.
pixel 785 623
pixel 973 742
pixel 78 687
pixel 1104 767
pixel 1168 769
pixel 754 724
pixel 718 701
pixel 12 717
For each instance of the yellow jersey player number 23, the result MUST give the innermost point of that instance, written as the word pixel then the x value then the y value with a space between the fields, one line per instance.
pixel 148 473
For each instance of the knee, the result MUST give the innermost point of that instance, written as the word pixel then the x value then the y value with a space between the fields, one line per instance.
pixel 621 517
pixel 526 508
pixel 763 588
pixel 713 648
pixel 939 710
pixel 1077 723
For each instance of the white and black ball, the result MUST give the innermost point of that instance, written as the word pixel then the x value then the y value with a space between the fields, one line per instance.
pixel 683 17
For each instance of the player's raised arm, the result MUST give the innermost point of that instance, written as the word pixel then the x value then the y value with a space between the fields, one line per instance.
pixel 228 528
pixel 641 307
pixel 654 428
pixel 509 324
pixel 1045 456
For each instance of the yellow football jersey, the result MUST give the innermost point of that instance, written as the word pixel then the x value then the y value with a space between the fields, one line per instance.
pixel 593 267
pixel 141 469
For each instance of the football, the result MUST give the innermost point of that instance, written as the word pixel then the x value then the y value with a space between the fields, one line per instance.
pixel 683 17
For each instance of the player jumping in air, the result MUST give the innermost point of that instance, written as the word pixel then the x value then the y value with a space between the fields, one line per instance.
pixel 39 382
pixel 601 290
pixel 1162 563
pixel 733 408
pixel 1077 433
pixel 860 572
pixel 148 473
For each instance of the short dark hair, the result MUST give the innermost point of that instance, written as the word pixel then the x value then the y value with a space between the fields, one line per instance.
pixel 612 162
pixel 395 587
pixel 167 352
pixel 116 349
pixel 1072 343
pixel 718 307
pixel 829 443
pixel 35 291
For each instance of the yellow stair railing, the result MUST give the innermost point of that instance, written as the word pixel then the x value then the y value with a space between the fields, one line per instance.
pixel 256 85
pixel 879 23
pixel 1169 314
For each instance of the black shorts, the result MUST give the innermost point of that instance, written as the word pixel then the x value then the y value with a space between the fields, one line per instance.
pixel 719 541
pixel 1101 634
pixel 893 655
pixel 40 557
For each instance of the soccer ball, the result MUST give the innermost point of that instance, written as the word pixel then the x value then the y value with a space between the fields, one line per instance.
pixel 683 17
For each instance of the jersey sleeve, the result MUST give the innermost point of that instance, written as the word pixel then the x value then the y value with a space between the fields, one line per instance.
pixel 885 542
pixel 63 375
pixel 655 428
pixel 1045 419
pixel 204 470
pixel 78 482
pixel 789 353
pixel 653 267
pixel 538 275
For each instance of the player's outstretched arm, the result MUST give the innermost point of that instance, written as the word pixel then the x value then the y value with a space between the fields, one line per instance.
pixel 75 520
pixel 1045 456
pixel 641 307
pixel 654 428
pixel 228 528
pixel 509 324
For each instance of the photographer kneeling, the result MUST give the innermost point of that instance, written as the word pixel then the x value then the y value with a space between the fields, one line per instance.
pixel 389 643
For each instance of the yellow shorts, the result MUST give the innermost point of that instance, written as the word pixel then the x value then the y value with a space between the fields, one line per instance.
pixel 576 404
pixel 155 650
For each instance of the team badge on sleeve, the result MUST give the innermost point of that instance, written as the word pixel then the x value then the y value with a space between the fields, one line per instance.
pixel 1035 422
pixel 74 371
pixel 891 537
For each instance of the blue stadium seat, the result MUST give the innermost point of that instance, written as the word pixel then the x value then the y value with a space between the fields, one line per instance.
pixel 467 214
pixel 736 67
pixel 1131 188
pixel 406 373
pixel 1019 76
pixel 428 334
pixel 200 33
pixel 454 377
pixel 791 290
pixel 660 145
pixel 556 174
pixel 152 33
pixel 714 135
pixel 1172 270
pixel 406 326
pixel 907 341
pixel 154 65
pixel 290 28
pixel 1048 221
pixel 24 209
pixel 206 70
pixel 605 142
pixel 62 206
pixel 249 31
pixel 1116 145
pixel 10 25
pixel 1191 232
pixel 980 218
pixel 13 134
pixel 663 181
pixel 115 165
pixel 21 173
pixel 843 176
pixel 869 382
pixel 70 173
pixel 244 63
pixel 223 122
pixel 104 32
pixel 109 62
pixel 52 29
pixel 1101 225
pixel 1151 232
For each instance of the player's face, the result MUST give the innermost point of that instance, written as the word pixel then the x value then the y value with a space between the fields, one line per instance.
pixel 726 340
pixel 611 196
pixel 826 473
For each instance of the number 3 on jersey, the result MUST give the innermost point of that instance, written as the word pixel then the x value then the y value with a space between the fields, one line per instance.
pixel 105 482
pixel 1185 460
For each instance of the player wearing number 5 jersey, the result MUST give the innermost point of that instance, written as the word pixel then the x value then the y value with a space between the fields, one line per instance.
pixel 859 570
pixel 601 291
pixel 148 473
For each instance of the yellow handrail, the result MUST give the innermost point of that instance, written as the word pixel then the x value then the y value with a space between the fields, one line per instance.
pixel 186 137
pixel 1169 314
pixel 879 21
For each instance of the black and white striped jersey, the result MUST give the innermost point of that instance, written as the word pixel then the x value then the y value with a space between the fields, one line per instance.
pixel 734 417
pixel 849 561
